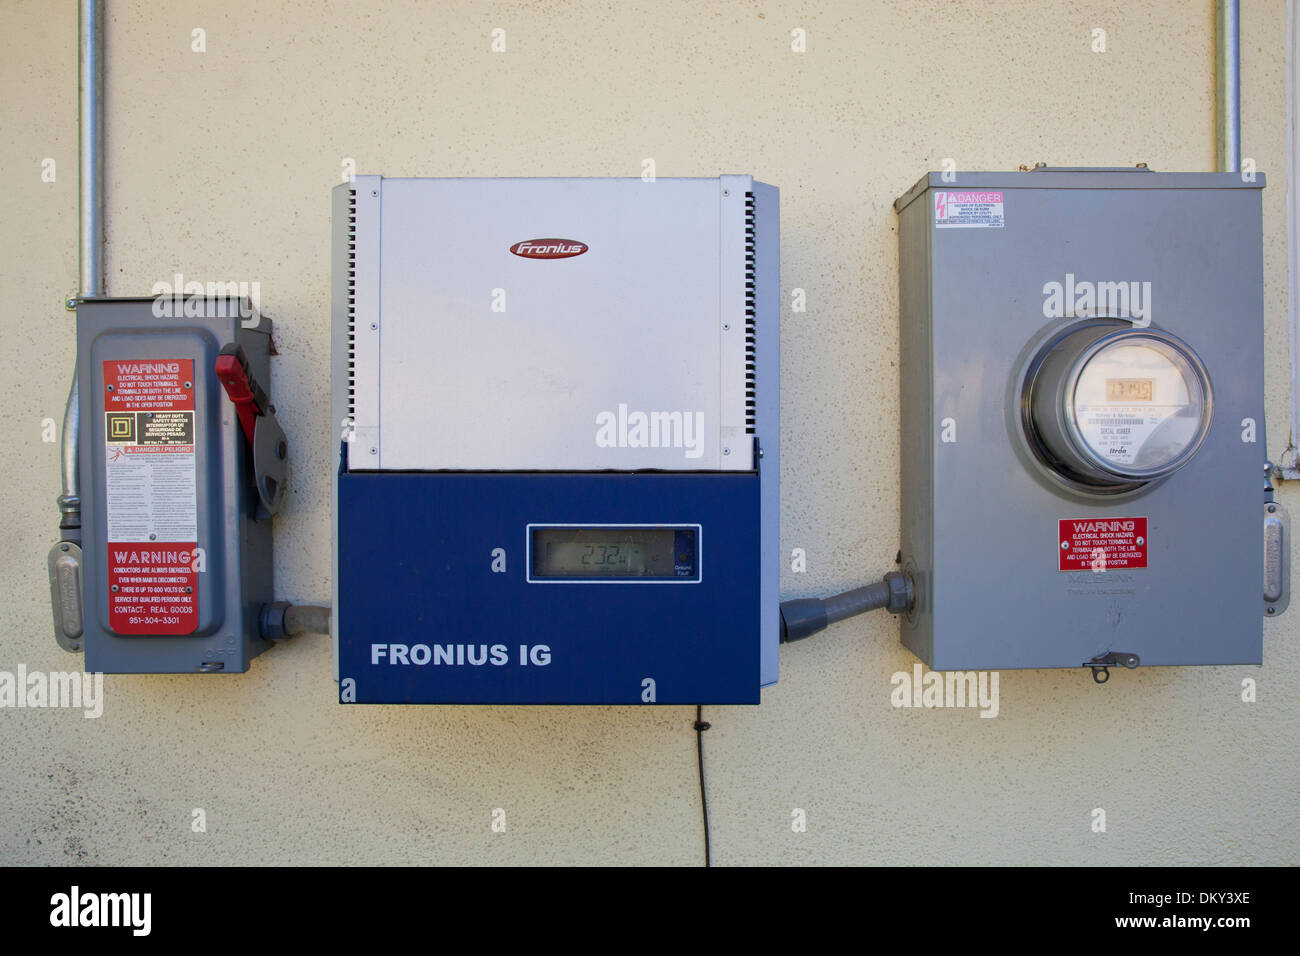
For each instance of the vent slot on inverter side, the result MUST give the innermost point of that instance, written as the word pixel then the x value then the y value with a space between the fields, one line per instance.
pixel 352 307
pixel 751 318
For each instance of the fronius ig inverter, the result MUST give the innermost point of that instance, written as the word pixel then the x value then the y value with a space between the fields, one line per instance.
pixel 555 408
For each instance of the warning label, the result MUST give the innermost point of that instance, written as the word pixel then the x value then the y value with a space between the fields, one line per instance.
pixel 1100 544
pixel 967 209
pixel 151 496
pixel 152 590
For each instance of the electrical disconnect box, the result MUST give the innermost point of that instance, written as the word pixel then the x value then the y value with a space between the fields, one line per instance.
pixel 182 465
pixel 557 440
pixel 1083 462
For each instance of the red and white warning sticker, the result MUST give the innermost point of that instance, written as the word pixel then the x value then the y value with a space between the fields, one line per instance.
pixel 968 209
pixel 151 505
pixel 1100 544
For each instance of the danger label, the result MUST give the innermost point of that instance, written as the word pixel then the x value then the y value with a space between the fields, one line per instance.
pixel 151 496
pixel 967 209
pixel 1100 544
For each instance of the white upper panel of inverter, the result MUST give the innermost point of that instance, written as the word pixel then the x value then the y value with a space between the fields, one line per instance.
pixel 551 324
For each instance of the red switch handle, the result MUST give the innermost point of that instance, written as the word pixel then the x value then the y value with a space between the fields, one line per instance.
pixel 232 372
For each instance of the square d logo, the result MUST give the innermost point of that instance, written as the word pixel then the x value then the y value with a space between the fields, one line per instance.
pixel 121 428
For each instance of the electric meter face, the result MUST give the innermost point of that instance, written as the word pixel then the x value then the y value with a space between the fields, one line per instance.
pixel 1139 406
pixel 1113 406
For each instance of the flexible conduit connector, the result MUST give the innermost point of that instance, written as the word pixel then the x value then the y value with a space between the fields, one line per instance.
pixel 804 617
pixel 282 620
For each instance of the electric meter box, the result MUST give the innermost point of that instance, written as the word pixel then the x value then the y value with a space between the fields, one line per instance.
pixel 176 538
pixel 1083 442
pixel 556 432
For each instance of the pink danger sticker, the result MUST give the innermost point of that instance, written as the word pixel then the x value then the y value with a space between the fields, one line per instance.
pixel 967 209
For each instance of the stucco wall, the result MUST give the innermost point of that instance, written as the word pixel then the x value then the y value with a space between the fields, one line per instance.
pixel 219 166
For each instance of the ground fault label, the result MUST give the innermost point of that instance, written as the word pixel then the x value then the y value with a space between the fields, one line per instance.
pixel 151 505
pixel 1098 544
pixel 967 209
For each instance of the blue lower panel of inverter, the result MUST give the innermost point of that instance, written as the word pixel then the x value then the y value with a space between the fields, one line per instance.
pixel 436 605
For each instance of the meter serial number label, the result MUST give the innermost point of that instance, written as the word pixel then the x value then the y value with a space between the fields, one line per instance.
pixel 1119 432
pixel 1101 544
pixel 1130 389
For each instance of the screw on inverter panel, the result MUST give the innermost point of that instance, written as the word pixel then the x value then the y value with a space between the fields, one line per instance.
pixel 109 387
pixel 113 588
pixel 188 385
pixel 374 325
pixel 70 303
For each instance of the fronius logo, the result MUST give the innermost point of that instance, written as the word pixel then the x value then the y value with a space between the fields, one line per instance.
pixel 549 248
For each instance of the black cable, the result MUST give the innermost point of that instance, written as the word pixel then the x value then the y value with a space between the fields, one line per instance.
pixel 700 728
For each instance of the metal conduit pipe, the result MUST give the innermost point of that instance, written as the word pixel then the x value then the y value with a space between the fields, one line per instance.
pixel 1227 50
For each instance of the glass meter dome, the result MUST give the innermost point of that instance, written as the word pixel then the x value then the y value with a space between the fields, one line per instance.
pixel 1113 407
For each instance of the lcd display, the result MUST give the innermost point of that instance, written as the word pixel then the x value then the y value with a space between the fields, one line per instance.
pixel 611 552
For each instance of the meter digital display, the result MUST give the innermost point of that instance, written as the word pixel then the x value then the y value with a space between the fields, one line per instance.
pixel 1113 406
pixel 603 552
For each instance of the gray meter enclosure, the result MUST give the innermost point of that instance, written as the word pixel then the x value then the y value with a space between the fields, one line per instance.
pixel 1057 513
pixel 191 612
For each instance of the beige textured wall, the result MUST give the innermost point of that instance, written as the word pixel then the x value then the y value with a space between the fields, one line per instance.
pixel 219 166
